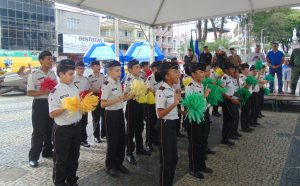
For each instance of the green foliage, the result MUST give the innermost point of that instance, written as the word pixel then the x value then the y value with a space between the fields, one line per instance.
pixel 215 45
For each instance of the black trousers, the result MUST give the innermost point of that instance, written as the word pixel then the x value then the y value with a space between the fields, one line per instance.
pixel 228 119
pixel 151 119
pixel 178 121
pixel 197 146
pixel 254 107
pixel 42 130
pixel 116 140
pixel 167 151
pixel 246 115
pixel 135 125
pixel 236 116
pixel 83 123
pixel 261 95
pixel 206 127
pixel 215 109
pixel 98 114
pixel 66 140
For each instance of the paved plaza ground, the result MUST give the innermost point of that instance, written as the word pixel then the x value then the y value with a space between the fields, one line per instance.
pixel 268 156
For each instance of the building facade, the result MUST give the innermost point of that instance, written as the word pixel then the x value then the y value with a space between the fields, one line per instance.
pixel 27 25
pixel 164 39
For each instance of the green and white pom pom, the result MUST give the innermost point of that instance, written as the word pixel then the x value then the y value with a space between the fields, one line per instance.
pixel 259 65
pixel 267 91
pixel 215 95
pixel 243 95
pixel 196 105
pixel 269 78
pixel 251 80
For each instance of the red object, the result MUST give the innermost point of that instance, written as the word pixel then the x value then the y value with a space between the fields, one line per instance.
pixel 48 84
pixel 148 73
pixel 82 94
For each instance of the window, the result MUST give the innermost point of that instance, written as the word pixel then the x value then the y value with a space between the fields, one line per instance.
pixel 11 4
pixel 125 33
pixel 123 46
pixel 169 28
pixel 169 50
pixel 139 34
pixel 11 13
pixel 72 23
pixel 3 12
pixel 4 32
pixel 169 40
pixel 3 3
pixel 163 27
pixel 19 34
pixel 104 33
pixel 19 14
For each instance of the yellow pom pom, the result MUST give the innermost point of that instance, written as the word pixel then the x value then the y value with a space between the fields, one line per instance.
pixel 150 98
pixel 142 99
pixel 88 103
pixel 219 72
pixel 138 88
pixel 186 81
pixel 71 104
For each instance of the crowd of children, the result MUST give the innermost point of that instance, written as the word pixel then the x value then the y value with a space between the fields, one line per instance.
pixel 124 130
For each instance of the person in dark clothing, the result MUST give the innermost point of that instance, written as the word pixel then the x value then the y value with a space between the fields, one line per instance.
pixel 205 56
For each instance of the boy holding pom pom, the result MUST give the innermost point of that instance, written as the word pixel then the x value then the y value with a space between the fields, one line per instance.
pixel 83 85
pixel 112 100
pixel 197 131
pixel 41 122
pixel 66 132
pixel 134 115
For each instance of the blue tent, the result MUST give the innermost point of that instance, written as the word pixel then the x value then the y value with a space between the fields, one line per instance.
pixel 141 52
pixel 103 51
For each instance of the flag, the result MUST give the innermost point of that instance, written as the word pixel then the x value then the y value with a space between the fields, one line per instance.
pixel 192 44
pixel 197 51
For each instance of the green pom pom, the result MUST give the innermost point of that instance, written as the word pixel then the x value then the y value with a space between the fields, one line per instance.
pixel 196 105
pixel 267 91
pixel 215 96
pixel 269 78
pixel 259 65
pixel 243 95
pixel 251 80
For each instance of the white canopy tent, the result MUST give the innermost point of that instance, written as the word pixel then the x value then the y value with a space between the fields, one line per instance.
pixel 160 12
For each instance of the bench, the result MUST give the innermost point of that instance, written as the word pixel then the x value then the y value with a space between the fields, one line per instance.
pixel 279 98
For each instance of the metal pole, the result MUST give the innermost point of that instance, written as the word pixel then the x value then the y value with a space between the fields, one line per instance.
pixel 152 44
pixel 116 22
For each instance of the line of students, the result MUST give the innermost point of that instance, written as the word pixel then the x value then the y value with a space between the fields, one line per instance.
pixel 161 118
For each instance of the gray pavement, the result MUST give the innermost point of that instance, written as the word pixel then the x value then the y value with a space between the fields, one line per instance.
pixel 260 158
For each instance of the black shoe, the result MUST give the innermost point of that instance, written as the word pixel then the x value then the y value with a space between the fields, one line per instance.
pixel 246 130
pixel 257 124
pixel 237 134
pixel 207 170
pixel 98 140
pixel 179 135
pixel 197 174
pixel 47 155
pixel 85 144
pixel 150 148
pixel 112 171
pixel 131 159
pixel 143 152
pixel 250 129
pixel 280 92
pixel 271 91
pixel 33 163
pixel 217 114
pixel 233 137
pixel 123 169
pixel 209 151
pixel 227 142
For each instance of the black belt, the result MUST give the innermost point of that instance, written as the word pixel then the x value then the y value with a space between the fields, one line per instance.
pixel 71 125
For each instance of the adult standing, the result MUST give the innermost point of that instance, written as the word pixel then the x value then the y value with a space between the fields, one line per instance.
pixel 205 56
pixel 234 58
pixel 220 57
pixel 256 56
pixel 275 59
pixel 295 63
pixel 190 57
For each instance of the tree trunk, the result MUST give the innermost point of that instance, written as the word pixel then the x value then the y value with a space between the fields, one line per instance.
pixel 204 37
pixel 222 28
pixel 199 28
pixel 214 28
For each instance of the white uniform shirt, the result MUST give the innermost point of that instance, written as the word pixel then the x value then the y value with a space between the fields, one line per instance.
pixel 112 89
pixel 236 87
pixel 194 87
pixel 81 82
pixel 253 57
pixel 213 74
pixel 164 99
pixel 60 92
pixel 152 84
pixel 96 82
pixel 228 82
pixel 128 82
pixel 256 87
pixel 36 78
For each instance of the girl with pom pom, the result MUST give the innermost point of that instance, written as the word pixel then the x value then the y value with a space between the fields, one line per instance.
pixel 41 122
pixel 197 130
pixel 66 130
pixel 134 115
pixel 82 83
pixel 230 104
pixel 112 100
pixel 151 118
pixel 166 109
pixel 246 109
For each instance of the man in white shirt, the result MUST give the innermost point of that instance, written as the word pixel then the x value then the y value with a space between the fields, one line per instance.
pixel 256 56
